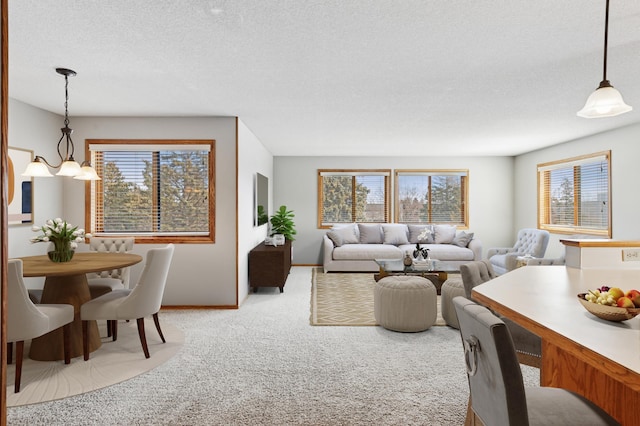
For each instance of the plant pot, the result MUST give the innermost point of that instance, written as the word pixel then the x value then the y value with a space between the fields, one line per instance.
pixel 60 256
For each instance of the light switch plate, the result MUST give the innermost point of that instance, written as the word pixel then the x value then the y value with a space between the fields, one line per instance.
pixel 631 255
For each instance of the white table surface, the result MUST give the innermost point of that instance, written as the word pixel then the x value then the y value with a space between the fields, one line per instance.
pixel 547 296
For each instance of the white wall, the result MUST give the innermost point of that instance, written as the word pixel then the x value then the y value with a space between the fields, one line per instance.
pixel 625 174
pixel 491 191
pixel 253 158
pixel 38 130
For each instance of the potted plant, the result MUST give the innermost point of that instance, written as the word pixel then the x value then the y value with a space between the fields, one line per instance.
pixel 282 223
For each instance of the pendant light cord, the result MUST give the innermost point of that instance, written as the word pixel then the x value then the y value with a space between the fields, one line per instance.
pixel 606 38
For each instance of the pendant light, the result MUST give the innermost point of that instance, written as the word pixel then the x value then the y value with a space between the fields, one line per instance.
pixel 68 166
pixel 605 101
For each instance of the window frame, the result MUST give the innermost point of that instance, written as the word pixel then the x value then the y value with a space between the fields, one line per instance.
pixel 353 173
pixel 155 239
pixel 544 199
pixel 464 188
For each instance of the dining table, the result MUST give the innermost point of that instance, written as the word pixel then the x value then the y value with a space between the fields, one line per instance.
pixel 66 283
pixel 596 358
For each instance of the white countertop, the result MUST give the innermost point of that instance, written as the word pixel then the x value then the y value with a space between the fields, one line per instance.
pixel 546 296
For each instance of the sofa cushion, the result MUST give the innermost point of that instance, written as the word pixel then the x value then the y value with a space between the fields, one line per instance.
pixel 370 233
pixel 415 232
pixel 395 234
pixel 462 239
pixel 444 234
pixel 366 252
pixel 447 252
pixel 343 235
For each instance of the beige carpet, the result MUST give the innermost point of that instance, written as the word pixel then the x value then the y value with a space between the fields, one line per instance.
pixel 112 363
pixel 345 299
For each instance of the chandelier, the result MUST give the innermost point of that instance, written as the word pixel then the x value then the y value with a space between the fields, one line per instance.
pixel 68 166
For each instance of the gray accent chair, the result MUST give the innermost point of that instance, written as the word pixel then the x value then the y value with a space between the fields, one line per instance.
pixel 498 394
pixel 529 241
pixel 528 345
pixel 26 321
pixel 143 300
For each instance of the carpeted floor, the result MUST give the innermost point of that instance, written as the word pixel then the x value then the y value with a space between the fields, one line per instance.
pixel 112 363
pixel 264 364
pixel 345 299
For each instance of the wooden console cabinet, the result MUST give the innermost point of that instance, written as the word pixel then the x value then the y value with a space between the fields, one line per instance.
pixel 269 266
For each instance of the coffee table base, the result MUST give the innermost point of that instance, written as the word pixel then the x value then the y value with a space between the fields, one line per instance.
pixel 436 277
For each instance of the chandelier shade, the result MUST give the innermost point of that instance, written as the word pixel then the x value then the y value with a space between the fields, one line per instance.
pixel 68 166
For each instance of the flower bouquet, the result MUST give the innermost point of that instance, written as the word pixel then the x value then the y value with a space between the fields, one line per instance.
pixel 64 236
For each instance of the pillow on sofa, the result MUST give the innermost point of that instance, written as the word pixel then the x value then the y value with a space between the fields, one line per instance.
pixel 444 234
pixel 416 230
pixel 395 234
pixel 462 239
pixel 343 235
pixel 370 233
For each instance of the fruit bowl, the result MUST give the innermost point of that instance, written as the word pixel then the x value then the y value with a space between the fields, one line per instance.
pixel 609 313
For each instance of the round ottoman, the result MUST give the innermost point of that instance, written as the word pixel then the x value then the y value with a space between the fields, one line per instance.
pixel 451 288
pixel 405 303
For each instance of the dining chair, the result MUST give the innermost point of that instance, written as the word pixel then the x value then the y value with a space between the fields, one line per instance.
pixel 117 279
pixel 498 394
pixel 127 304
pixel 528 345
pixel 27 321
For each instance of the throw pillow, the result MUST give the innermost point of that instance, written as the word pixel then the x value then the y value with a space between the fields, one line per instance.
pixel 343 235
pixel 416 231
pixel 395 234
pixel 444 234
pixel 462 239
pixel 370 233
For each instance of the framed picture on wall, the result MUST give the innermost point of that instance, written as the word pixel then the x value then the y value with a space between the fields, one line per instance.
pixel 20 198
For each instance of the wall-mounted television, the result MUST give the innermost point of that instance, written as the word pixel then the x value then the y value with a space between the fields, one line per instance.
pixel 261 193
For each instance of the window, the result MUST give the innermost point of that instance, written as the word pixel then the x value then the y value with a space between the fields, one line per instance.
pixel 346 196
pixel 432 196
pixel 574 195
pixel 154 190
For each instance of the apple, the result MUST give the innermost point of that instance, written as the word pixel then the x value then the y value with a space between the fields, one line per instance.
pixel 616 292
pixel 625 302
pixel 634 295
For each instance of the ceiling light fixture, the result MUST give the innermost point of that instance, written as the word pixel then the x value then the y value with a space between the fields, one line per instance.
pixel 68 166
pixel 605 101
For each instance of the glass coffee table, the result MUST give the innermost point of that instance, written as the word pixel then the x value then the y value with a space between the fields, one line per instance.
pixel 436 271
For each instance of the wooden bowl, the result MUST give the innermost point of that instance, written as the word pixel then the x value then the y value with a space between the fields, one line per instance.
pixel 609 313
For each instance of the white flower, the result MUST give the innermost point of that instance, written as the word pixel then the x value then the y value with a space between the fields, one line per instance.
pixel 49 222
pixel 79 239
pixel 88 235
pixel 73 245
pixel 58 220
pixel 45 238
pixel 36 228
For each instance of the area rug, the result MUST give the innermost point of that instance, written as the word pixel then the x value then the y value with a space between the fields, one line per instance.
pixel 345 299
pixel 112 363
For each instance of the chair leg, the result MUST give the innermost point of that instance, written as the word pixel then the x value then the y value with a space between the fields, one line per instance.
pixel 114 330
pixel 9 353
pixel 156 320
pixel 66 342
pixel 85 340
pixel 143 338
pixel 108 328
pixel 19 353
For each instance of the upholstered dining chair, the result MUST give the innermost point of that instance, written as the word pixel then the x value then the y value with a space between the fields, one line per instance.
pixel 528 345
pixel 530 241
pixel 498 394
pixel 116 279
pixel 27 321
pixel 143 300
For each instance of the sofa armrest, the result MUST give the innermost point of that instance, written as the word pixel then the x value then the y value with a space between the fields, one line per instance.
pixel 511 261
pixel 476 246
pixel 499 250
pixel 327 250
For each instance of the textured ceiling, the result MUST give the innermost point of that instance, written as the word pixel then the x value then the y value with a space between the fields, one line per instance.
pixel 336 77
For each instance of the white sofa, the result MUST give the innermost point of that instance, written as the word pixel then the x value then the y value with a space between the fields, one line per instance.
pixel 353 247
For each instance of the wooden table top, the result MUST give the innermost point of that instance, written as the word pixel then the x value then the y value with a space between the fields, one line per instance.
pixel 544 300
pixel 82 263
